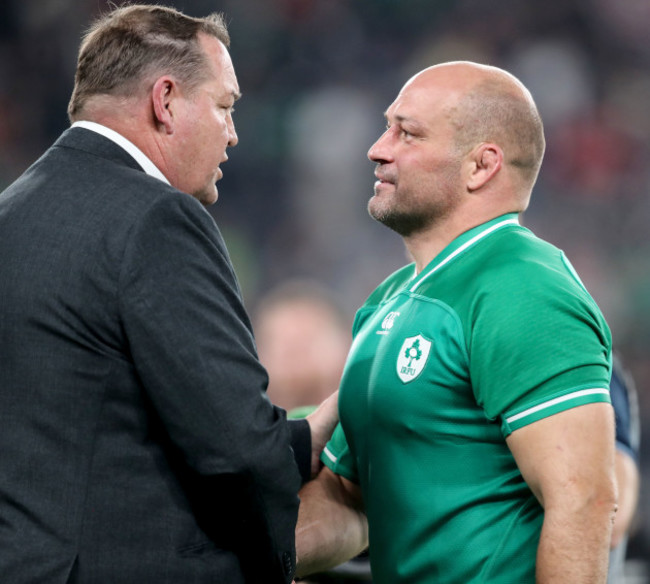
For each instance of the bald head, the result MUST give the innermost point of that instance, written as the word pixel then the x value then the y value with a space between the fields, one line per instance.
pixel 463 144
pixel 487 104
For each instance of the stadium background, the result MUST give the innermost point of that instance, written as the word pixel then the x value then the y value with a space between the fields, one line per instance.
pixel 316 76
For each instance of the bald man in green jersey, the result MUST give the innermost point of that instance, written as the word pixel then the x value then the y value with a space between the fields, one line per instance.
pixel 477 435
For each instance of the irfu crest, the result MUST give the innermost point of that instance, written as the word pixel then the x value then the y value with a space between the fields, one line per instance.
pixel 412 357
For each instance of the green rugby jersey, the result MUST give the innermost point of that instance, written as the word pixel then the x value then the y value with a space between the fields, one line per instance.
pixel 495 333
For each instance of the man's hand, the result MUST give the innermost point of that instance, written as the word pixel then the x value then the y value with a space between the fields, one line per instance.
pixel 322 423
pixel 332 525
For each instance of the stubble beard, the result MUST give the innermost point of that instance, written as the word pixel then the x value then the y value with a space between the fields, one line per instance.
pixel 407 221
pixel 404 224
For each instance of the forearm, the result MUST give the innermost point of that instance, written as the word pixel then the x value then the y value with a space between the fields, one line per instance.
pixel 322 423
pixel 574 547
pixel 332 527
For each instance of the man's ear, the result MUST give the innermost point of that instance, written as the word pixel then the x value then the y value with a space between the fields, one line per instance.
pixel 163 93
pixel 486 160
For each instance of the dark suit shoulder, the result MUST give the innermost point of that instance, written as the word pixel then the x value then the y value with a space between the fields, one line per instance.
pixel 87 156
pixel 89 171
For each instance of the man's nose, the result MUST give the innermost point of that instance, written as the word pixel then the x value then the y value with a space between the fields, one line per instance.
pixel 233 139
pixel 379 150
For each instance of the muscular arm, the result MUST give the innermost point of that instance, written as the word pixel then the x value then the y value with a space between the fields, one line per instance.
pixel 568 461
pixel 332 526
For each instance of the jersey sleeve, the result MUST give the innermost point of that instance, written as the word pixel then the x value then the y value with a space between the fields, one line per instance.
pixel 538 343
pixel 337 456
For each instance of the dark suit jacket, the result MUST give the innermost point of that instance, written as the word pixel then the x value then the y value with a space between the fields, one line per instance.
pixel 137 444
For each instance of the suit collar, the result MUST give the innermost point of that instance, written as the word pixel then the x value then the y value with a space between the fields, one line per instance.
pixel 141 158
pixel 90 141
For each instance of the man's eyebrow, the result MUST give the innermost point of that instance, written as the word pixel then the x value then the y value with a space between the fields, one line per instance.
pixel 402 119
pixel 408 119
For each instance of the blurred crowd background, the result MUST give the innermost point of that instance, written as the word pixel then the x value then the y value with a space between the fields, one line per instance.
pixel 316 76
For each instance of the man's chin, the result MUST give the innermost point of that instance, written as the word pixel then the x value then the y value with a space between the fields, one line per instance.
pixel 208 196
pixel 402 224
pixel 377 210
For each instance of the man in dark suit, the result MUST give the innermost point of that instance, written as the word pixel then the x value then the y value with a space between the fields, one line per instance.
pixel 138 445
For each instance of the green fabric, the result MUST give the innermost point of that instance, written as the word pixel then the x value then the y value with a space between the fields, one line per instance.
pixel 497 332
pixel 300 412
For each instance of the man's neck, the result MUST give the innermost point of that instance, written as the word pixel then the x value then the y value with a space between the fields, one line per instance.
pixel 141 158
pixel 425 245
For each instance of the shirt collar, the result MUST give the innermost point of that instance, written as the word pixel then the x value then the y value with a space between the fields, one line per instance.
pixel 462 243
pixel 140 157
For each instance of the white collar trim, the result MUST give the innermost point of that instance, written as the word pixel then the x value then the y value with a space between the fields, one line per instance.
pixel 463 247
pixel 140 157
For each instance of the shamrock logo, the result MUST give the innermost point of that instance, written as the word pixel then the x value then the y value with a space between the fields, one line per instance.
pixel 413 352
pixel 412 357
